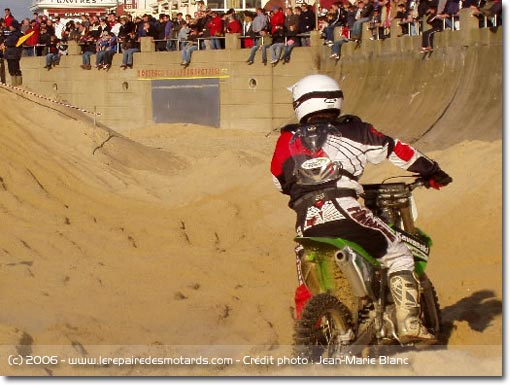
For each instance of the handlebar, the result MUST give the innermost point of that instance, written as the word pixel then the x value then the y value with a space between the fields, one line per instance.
pixel 418 182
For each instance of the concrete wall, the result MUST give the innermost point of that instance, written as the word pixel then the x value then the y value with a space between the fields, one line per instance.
pixel 382 80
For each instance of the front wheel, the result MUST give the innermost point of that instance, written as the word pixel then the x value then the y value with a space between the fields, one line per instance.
pixel 324 321
pixel 431 312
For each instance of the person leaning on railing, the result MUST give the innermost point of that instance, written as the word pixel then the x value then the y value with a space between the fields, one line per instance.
pixel 215 26
pixel 248 35
pixel 160 33
pixel 42 40
pixel 30 44
pixel 306 24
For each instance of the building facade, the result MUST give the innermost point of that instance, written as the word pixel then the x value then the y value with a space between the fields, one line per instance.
pixel 69 9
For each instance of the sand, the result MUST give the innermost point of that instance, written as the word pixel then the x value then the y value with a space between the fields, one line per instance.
pixel 173 240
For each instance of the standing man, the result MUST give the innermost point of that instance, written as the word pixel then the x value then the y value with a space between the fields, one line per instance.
pixel 12 53
pixel 8 17
pixel 59 27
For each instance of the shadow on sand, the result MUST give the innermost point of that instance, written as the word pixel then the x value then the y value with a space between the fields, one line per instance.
pixel 478 310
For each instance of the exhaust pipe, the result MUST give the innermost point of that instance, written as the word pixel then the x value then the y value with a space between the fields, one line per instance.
pixel 346 259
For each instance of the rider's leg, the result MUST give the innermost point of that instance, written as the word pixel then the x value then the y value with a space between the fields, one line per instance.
pixel 349 220
pixel 405 291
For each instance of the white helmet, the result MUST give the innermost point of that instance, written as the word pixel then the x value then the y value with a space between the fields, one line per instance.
pixel 315 93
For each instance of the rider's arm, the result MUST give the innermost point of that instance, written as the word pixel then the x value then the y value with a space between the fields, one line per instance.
pixel 399 153
pixel 281 156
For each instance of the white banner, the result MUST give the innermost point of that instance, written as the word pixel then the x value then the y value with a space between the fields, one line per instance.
pixel 80 3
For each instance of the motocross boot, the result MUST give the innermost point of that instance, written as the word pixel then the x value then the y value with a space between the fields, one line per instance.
pixel 405 291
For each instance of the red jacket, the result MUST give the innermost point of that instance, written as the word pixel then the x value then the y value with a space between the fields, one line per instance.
pixel 278 19
pixel 8 20
pixel 234 26
pixel 32 40
pixel 215 26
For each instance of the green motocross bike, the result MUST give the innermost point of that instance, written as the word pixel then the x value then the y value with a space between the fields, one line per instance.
pixel 351 305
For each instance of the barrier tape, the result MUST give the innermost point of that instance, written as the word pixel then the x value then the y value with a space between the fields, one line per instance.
pixel 19 89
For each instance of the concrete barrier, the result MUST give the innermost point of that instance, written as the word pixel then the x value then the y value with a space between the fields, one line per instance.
pixel 385 81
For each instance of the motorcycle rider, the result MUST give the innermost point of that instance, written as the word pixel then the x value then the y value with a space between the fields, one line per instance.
pixel 325 199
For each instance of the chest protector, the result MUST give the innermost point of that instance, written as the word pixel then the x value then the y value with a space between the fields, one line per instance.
pixel 312 165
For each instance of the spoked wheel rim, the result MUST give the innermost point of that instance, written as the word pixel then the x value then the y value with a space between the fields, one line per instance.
pixel 324 319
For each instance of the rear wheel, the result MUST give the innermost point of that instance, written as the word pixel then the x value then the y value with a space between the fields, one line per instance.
pixel 324 321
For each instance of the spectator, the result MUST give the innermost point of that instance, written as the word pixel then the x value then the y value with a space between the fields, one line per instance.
pixel 169 44
pixel 306 24
pixel 374 25
pixel 105 27
pixel 277 21
pixel 52 56
pixel 62 50
pixel 278 45
pixel 25 24
pixel 147 30
pixel 261 44
pixel 215 25
pixel 85 22
pixel 29 47
pixel 386 18
pixel 178 24
pixel 291 27
pixel 114 24
pixel 248 34
pixel 88 48
pixel 190 45
pixel 160 33
pixel 202 30
pixel 43 40
pixel 337 47
pixel 12 53
pixel 491 9
pixel 260 22
pixel 127 27
pixel 364 12
pixel 350 19
pixel 112 21
pixel 183 35
pixel 403 17
pixel 436 21
pixel 233 24
pixel 74 31
pixel 130 45
pixel 59 27
pixel 8 18
pixel 50 27
pixel 333 21
pixel 112 50
pixel 105 49
pixel 95 28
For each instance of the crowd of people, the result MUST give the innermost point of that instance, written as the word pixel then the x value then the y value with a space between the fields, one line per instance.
pixel 279 30
pixel 425 17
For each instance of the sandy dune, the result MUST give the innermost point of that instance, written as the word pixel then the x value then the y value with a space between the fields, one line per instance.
pixel 176 236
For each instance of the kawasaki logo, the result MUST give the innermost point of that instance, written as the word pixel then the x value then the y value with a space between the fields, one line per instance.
pixel 420 246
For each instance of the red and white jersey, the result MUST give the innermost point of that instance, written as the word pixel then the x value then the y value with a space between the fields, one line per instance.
pixel 352 144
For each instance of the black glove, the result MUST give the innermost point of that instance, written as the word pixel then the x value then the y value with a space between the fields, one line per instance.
pixel 438 179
